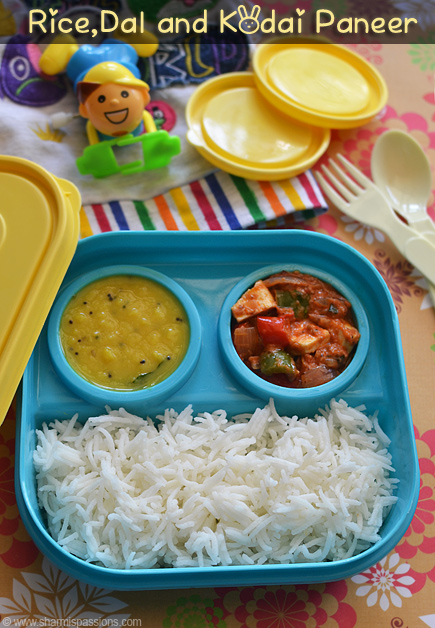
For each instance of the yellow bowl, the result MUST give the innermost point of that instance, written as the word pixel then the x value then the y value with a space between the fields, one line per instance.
pixel 237 130
pixel 326 85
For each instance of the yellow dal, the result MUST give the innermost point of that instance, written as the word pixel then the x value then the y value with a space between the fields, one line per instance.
pixel 124 332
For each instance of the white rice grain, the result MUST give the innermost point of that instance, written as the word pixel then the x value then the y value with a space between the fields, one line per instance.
pixel 193 491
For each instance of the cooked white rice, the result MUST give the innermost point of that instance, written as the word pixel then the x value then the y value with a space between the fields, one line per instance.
pixel 124 492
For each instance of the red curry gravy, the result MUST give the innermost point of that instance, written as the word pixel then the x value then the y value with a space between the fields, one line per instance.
pixel 294 330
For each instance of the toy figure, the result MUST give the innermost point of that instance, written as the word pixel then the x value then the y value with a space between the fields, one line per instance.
pixel 114 100
pixel 112 97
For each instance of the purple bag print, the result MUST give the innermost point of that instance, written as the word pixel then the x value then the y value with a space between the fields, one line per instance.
pixel 21 79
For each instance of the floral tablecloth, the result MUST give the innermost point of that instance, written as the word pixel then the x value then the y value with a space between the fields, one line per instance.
pixel 398 591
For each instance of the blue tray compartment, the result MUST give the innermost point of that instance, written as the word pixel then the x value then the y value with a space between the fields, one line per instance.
pixel 207 266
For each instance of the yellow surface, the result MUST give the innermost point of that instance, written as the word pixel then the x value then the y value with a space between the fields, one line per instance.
pixel 39 224
pixel 326 85
pixel 251 134
pixel 124 332
pixel 32 235
pixel 7 22
pixel 237 130
pixel 319 81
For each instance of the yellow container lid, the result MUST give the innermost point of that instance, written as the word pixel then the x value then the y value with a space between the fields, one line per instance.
pixel 326 85
pixel 39 229
pixel 235 128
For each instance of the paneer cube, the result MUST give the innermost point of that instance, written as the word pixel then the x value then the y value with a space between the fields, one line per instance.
pixel 255 301
pixel 341 331
pixel 305 337
pixel 346 335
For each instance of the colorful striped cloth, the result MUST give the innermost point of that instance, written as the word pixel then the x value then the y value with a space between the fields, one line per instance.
pixel 218 202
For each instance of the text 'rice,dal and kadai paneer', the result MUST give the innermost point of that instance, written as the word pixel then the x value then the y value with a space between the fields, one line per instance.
pixel 124 332
pixel 294 330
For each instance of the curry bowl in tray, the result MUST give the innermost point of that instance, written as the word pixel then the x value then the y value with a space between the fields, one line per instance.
pixel 214 271
pixel 294 333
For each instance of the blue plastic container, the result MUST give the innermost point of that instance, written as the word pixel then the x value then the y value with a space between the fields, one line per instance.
pixel 208 266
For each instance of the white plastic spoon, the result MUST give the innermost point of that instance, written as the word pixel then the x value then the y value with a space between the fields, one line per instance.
pixel 402 172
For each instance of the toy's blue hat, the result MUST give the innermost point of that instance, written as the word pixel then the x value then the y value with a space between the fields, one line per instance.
pixel 88 56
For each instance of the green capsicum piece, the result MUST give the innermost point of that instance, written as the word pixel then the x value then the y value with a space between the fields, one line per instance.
pixel 297 301
pixel 274 361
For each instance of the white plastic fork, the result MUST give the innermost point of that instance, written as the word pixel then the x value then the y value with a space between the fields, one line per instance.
pixel 358 197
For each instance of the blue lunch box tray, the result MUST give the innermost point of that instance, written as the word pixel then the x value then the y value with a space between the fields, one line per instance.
pixel 208 266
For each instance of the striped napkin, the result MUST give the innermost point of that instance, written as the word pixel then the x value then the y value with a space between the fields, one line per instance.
pixel 217 202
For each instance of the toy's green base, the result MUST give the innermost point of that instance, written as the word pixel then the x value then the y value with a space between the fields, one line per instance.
pixel 158 148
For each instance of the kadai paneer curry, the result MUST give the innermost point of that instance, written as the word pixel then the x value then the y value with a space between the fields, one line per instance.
pixel 294 330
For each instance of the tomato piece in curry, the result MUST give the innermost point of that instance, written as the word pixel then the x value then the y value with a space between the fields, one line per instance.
pixel 294 330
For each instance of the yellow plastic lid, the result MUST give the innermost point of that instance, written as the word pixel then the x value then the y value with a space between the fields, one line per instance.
pixel 326 85
pixel 237 130
pixel 39 229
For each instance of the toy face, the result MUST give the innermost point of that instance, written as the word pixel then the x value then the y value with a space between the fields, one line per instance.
pixel 115 109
